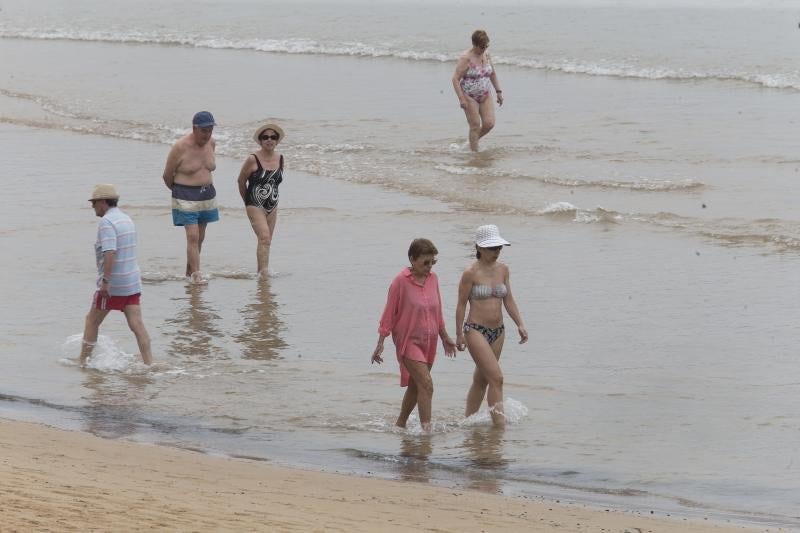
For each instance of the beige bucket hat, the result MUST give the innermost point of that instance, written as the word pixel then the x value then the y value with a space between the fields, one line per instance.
pixel 104 191
pixel 268 126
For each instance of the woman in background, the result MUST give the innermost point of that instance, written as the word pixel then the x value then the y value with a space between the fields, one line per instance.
pixel 472 81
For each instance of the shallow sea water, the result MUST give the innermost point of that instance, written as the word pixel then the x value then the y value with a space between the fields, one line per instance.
pixel 654 256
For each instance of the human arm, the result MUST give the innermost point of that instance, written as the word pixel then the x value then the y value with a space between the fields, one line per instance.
pixel 109 256
pixel 107 236
pixel 513 310
pixel 171 167
pixel 447 343
pixel 496 83
pixel 388 318
pixel 376 355
pixel 460 72
pixel 213 143
pixel 247 169
pixel 464 286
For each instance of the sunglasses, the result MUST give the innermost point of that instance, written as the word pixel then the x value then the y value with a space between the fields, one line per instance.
pixel 494 248
pixel 429 262
pixel 265 137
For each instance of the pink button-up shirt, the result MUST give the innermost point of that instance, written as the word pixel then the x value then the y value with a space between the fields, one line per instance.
pixel 413 315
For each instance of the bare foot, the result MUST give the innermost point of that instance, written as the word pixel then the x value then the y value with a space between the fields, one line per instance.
pixel 197 278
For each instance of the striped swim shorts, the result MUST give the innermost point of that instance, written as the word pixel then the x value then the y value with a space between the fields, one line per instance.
pixel 194 204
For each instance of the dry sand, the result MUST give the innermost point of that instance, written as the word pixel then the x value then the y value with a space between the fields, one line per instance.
pixel 54 480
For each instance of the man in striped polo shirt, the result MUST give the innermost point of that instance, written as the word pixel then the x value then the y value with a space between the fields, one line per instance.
pixel 119 281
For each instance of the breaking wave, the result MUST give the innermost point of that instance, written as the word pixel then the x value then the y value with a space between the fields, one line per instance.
pixel 306 46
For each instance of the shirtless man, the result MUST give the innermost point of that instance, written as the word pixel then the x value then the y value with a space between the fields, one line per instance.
pixel 188 174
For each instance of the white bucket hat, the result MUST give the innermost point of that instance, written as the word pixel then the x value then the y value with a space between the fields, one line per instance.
pixel 488 236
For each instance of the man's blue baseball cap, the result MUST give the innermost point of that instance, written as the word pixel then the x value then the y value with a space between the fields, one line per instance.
pixel 203 119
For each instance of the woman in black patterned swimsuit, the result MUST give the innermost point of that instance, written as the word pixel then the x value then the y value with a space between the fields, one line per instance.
pixel 261 174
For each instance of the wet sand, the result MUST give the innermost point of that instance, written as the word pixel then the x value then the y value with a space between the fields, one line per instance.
pixel 70 481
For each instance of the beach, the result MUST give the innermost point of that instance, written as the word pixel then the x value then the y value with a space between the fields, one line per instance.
pixel 57 480
pixel 643 167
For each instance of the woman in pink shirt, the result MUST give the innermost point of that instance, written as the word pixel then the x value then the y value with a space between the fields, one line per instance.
pixel 413 315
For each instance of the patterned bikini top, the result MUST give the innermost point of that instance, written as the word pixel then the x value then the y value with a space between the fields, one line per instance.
pixel 482 292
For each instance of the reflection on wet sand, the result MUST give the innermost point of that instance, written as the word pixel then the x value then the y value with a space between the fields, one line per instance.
pixel 114 401
pixel 484 449
pixel 415 449
pixel 196 331
pixel 261 336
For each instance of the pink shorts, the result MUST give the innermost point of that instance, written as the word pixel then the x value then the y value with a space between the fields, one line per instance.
pixel 115 303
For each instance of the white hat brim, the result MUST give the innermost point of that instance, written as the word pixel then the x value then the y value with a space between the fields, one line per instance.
pixel 494 241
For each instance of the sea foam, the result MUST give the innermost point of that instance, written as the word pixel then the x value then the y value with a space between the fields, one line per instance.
pixel 106 356
pixel 307 46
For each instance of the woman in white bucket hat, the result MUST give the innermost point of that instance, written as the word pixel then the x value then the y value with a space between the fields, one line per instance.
pixel 485 285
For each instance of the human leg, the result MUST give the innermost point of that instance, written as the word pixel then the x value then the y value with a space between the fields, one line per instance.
pixel 91 328
pixel 263 225
pixel 497 406
pixel 193 248
pixel 201 228
pixel 476 392
pixel 408 405
pixel 421 376
pixel 487 363
pixel 193 208
pixel 133 314
pixel 472 111
pixel 486 112
pixel 272 220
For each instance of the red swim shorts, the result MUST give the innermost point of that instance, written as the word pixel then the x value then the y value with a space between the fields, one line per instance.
pixel 115 303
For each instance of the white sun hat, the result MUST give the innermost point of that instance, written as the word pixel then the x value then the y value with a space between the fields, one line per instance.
pixel 488 236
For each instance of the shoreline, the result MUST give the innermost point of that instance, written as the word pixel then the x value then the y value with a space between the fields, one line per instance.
pixel 72 480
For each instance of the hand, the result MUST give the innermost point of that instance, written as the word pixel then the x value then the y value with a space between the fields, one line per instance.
pixel 523 334
pixel 500 99
pixel 463 104
pixel 461 344
pixel 449 346
pixel 103 295
pixel 376 355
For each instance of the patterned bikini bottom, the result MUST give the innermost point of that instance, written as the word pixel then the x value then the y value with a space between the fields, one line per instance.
pixel 490 334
